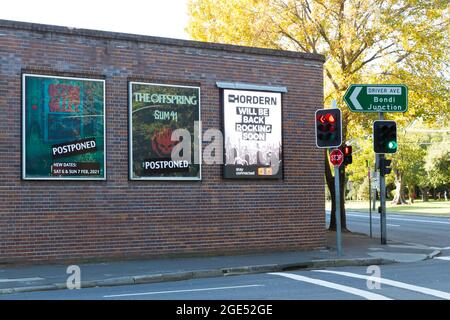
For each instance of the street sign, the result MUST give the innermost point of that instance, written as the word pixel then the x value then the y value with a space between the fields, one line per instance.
pixel 336 157
pixel 375 175
pixel 375 183
pixel 377 98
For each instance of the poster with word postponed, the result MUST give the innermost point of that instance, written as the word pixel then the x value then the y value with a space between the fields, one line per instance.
pixel 63 128
pixel 252 134
pixel 164 132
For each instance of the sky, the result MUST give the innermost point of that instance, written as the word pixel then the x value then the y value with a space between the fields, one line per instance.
pixel 162 18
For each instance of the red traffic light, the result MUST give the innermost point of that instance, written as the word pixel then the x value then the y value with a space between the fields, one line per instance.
pixel 348 150
pixel 326 118
pixel 328 128
pixel 348 159
pixel 330 118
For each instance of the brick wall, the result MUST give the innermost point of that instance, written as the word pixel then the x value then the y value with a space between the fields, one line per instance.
pixel 55 221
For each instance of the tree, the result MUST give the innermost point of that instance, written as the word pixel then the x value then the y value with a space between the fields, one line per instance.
pixel 437 163
pixel 408 165
pixel 425 158
pixel 363 41
pixel 363 160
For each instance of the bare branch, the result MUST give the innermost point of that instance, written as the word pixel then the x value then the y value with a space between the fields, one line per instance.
pixel 340 21
pixel 293 39
pixel 357 54
pixel 375 56
pixel 330 76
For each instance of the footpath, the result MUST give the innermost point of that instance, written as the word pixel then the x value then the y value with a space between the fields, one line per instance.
pixel 358 250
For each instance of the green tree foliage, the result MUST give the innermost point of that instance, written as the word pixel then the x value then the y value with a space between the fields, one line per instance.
pixel 408 164
pixel 437 163
pixel 363 41
pixel 366 41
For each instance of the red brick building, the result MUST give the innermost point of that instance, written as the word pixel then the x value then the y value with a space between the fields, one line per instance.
pixel 116 218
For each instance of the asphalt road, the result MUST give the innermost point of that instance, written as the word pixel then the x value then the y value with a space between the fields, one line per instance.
pixel 423 280
pixel 427 230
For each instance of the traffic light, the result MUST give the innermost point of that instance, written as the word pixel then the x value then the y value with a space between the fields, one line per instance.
pixel 328 128
pixel 384 166
pixel 348 155
pixel 384 136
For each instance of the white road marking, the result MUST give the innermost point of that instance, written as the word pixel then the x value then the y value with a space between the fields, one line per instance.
pixel 392 225
pixel 403 246
pixel 399 219
pixel 21 279
pixel 362 293
pixel 417 246
pixel 443 258
pixel 439 248
pixel 179 291
pixel 398 284
pixel 408 246
pixel 422 246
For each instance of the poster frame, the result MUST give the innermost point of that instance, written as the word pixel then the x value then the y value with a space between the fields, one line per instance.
pixel 130 134
pixel 23 131
pixel 222 104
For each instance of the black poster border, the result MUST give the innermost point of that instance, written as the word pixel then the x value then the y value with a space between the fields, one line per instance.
pixel 59 75
pixel 222 104
pixel 130 133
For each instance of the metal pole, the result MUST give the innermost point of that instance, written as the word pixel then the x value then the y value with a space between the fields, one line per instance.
pixel 374 197
pixel 338 211
pixel 382 196
pixel 374 204
pixel 370 200
pixel 383 205
pixel 337 193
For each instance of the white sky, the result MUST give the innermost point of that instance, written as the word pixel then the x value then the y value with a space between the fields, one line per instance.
pixel 162 18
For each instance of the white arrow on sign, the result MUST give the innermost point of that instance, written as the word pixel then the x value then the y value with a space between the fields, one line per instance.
pixel 353 97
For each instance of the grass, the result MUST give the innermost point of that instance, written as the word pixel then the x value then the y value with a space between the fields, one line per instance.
pixel 432 208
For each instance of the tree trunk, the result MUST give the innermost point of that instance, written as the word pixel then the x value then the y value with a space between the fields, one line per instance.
pixel 374 200
pixel 342 197
pixel 425 197
pixel 412 193
pixel 398 198
pixel 330 183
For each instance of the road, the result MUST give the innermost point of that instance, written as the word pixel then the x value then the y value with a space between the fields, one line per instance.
pixel 427 230
pixel 423 280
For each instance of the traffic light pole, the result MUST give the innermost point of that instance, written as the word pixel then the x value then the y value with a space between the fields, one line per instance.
pixel 382 195
pixel 370 198
pixel 382 204
pixel 337 194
